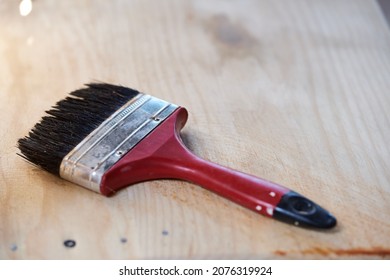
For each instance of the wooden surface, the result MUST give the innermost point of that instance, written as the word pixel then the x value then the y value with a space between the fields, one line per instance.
pixel 296 92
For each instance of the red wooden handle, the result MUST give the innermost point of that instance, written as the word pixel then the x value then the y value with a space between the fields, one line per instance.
pixel 163 155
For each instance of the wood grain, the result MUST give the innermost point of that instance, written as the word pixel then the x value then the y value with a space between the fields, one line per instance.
pixel 292 91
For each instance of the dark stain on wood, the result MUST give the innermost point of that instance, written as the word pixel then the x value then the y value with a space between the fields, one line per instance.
pixel 231 38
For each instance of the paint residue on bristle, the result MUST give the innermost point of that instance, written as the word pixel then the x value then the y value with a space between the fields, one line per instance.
pixel 69 121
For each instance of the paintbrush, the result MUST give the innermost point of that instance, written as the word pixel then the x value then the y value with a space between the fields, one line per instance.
pixel 105 137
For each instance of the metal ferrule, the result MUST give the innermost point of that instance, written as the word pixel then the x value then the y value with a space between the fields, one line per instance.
pixel 86 164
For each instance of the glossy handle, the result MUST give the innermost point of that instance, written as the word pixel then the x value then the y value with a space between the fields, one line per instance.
pixel 162 154
pixel 249 191
pixel 174 160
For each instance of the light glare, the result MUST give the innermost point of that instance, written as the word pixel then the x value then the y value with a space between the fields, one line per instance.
pixel 25 7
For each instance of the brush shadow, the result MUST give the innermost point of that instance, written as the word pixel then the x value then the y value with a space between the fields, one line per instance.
pixel 188 140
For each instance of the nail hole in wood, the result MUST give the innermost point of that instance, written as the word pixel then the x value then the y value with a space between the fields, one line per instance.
pixel 69 243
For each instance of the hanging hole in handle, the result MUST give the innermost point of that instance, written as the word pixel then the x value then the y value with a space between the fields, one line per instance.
pixel 302 205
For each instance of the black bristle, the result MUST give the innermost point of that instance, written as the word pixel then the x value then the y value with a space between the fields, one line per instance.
pixel 69 121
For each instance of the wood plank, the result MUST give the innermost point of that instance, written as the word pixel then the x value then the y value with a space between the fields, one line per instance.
pixel 292 91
